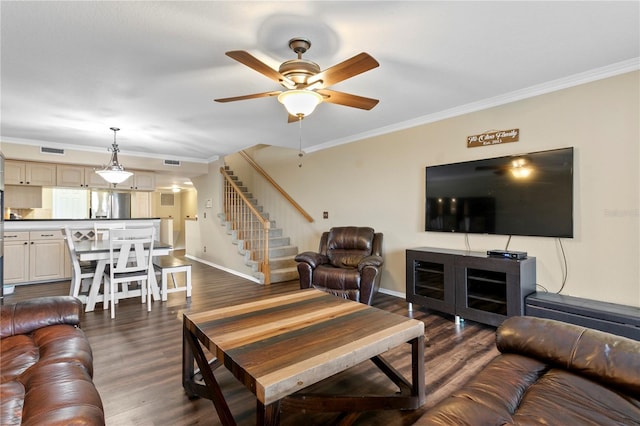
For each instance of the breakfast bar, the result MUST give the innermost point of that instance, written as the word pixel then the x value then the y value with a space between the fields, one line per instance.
pixel 35 250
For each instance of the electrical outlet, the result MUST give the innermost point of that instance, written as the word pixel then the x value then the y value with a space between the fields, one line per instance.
pixel 205 249
pixel 325 215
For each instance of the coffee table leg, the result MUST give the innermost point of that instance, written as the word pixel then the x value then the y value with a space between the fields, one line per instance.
pixel 212 391
pixel 267 415
pixel 417 369
pixel 188 372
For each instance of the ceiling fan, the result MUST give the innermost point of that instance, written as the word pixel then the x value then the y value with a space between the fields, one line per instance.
pixel 304 83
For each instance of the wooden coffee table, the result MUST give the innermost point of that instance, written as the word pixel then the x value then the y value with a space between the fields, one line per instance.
pixel 280 345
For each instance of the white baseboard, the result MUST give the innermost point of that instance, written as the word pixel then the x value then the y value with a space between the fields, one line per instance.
pixel 231 271
pixel 393 293
pixel 399 294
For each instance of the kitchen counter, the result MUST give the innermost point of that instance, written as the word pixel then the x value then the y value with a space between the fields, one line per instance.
pixel 39 224
pixel 78 220
pixel 35 250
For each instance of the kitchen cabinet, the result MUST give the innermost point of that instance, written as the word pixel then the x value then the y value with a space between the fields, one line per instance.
pixel 46 255
pixel 141 204
pixel 23 197
pixel 29 173
pixel 70 176
pixel 32 256
pixel 16 257
pixel 14 172
pixel 140 181
pixel 79 177
pixel 94 180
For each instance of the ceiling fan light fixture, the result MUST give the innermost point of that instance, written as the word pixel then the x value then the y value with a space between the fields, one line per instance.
pixel 114 172
pixel 300 103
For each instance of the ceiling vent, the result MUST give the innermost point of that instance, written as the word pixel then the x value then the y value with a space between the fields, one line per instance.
pixel 56 151
pixel 171 162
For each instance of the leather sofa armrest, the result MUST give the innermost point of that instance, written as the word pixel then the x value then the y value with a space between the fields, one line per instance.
pixel 313 259
pixel 29 315
pixel 375 261
pixel 603 357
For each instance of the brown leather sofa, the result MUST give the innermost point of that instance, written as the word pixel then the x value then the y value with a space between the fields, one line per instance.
pixel 551 373
pixel 46 365
pixel 348 263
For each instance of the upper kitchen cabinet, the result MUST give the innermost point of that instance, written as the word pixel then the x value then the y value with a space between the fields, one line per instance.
pixel 29 173
pixel 94 180
pixel 140 181
pixel 23 197
pixel 79 177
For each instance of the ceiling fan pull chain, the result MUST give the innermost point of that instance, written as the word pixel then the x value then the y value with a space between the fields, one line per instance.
pixel 300 154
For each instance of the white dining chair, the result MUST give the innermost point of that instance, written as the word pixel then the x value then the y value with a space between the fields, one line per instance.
pixel 81 272
pixel 102 229
pixel 130 261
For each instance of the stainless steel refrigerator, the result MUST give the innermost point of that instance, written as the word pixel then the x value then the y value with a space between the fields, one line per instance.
pixel 110 204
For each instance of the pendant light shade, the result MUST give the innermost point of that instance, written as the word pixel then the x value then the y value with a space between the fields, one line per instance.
pixel 114 172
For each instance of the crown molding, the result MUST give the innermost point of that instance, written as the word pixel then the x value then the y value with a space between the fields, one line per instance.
pixel 84 148
pixel 517 95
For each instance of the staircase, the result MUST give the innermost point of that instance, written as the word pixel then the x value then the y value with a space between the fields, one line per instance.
pixel 281 253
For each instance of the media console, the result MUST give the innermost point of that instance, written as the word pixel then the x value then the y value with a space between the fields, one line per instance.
pixel 471 285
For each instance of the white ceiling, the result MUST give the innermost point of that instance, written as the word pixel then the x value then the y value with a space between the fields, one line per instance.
pixel 70 70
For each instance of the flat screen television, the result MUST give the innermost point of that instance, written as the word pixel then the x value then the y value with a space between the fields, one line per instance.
pixel 528 194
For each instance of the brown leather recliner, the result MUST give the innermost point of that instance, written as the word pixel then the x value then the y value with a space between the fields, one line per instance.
pixel 348 263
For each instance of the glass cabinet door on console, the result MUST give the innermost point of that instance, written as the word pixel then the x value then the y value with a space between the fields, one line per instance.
pixel 490 289
pixel 485 291
pixel 430 280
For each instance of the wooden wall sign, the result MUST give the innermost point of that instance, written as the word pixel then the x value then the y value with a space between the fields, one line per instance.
pixel 493 138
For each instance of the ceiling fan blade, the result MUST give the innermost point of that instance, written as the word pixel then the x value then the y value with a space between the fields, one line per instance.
pixel 254 63
pixel 344 70
pixel 346 99
pixel 253 96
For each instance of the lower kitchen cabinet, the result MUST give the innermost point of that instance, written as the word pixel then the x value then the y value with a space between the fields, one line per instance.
pixel 46 255
pixel 16 257
pixel 35 256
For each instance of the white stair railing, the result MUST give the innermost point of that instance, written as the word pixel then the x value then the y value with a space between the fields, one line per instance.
pixel 248 223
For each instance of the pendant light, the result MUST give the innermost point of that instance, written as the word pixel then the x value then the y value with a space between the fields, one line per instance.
pixel 114 172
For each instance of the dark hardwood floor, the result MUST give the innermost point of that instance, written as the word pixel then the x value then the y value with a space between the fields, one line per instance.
pixel 137 356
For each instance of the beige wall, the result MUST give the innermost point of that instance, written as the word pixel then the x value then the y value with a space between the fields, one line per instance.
pixel 175 211
pixel 189 204
pixel 184 206
pixel 379 182
pixel 210 240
